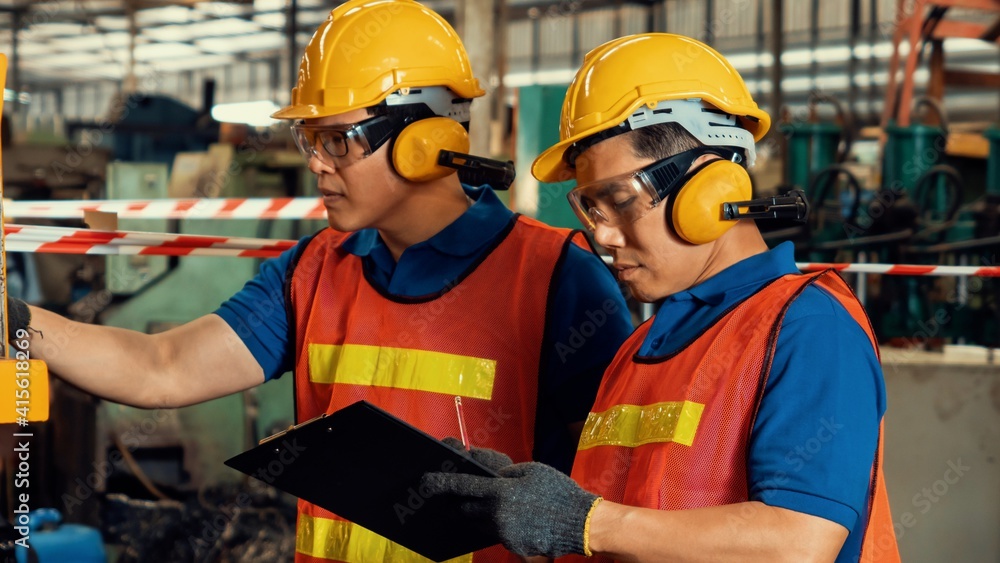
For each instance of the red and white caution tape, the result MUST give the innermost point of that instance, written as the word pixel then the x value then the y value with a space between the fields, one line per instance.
pixel 905 269
pixel 62 240
pixel 894 269
pixel 216 208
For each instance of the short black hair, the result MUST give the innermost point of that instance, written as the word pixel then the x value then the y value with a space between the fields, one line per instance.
pixel 411 112
pixel 378 109
pixel 661 141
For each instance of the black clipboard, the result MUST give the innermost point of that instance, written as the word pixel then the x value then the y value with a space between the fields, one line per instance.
pixel 365 465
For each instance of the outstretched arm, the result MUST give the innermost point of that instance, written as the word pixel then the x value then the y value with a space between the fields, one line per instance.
pixel 201 360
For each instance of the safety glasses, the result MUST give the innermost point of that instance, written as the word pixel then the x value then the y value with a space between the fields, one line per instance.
pixel 626 198
pixel 343 145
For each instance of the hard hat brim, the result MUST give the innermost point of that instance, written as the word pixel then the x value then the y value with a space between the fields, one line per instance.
pixel 550 166
pixel 306 111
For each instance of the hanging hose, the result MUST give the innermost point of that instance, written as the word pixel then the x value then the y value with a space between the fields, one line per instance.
pixel 137 470
pixel 938 109
pixel 956 190
pixel 846 122
pixel 824 180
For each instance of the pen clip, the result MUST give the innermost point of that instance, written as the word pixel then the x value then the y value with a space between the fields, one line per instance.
pixel 463 433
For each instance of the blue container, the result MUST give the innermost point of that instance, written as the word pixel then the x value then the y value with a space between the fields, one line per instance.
pixel 55 542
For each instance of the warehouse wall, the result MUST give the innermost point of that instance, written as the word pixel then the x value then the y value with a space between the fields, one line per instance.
pixel 942 457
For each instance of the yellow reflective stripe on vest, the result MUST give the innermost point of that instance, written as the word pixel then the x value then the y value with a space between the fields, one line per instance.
pixel 402 368
pixel 344 541
pixel 635 425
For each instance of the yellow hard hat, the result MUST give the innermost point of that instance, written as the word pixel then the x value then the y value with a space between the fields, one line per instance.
pixel 368 49
pixel 638 72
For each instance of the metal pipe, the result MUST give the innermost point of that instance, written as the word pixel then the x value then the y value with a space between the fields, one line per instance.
pixel 15 57
pixel 777 48
pixel 709 23
pixel 852 62
pixel 777 75
pixel 646 311
pixel 813 42
pixel 760 46
pixel 861 287
pixel 291 26
pixel 130 84
pixel 872 61
pixel 536 44
pixel 617 21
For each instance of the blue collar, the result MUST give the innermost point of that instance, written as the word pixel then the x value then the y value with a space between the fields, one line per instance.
pixel 476 227
pixel 745 276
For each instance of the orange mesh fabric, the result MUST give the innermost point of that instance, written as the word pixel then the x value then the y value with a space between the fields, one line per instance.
pixel 724 371
pixel 491 323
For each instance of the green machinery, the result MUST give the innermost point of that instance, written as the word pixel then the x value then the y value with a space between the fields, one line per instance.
pixel 815 152
pixel 952 226
pixel 538 113
pixel 157 293
pixel 917 216
pixel 125 275
pixel 813 145
pixel 993 163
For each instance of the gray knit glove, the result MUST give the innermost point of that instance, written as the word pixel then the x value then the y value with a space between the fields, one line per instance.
pixel 535 509
pixel 490 458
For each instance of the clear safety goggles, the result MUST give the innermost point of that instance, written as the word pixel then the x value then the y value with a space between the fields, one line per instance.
pixel 343 145
pixel 626 198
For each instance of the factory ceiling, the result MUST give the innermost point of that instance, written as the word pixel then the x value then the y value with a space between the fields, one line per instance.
pixel 87 40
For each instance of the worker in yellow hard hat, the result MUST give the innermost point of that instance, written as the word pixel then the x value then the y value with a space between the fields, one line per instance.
pixel 743 422
pixel 425 287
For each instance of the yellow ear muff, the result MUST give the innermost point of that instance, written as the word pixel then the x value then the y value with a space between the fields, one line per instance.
pixel 415 150
pixel 696 212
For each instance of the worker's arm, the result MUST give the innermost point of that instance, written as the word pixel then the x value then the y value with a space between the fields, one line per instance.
pixel 537 510
pixel 239 346
pixel 745 532
pixel 587 320
pixel 195 362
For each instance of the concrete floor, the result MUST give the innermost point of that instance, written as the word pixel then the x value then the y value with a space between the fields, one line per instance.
pixel 941 456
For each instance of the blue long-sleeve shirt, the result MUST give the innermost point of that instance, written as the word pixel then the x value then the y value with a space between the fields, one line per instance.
pixel 569 380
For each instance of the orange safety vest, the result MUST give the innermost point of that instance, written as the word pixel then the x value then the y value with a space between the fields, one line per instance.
pixel 481 338
pixel 672 433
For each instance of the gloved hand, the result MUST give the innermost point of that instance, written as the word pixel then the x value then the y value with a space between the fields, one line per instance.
pixel 18 316
pixel 535 509
pixel 490 458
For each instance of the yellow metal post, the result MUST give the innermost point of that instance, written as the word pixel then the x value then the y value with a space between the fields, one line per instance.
pixel 24 383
